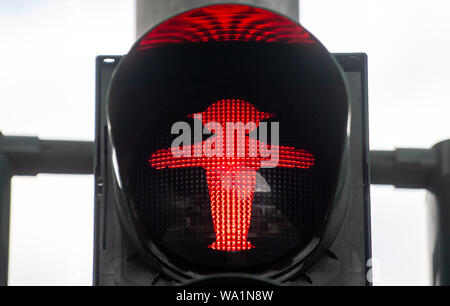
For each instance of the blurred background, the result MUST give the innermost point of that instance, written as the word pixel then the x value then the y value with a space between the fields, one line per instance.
pixel 47 89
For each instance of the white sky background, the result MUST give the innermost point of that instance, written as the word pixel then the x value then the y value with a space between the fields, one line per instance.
pixel 47 88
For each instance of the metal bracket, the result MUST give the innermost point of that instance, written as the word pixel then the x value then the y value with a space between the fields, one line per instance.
pixel 30 156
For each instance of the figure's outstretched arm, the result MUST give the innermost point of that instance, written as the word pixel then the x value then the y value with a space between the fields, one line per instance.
pixel 287 157
pixel 164 158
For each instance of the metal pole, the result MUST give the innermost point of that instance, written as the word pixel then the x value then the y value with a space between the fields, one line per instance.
pixel 151 12
pixel 403 168
pixel 31 155
pixel 5 187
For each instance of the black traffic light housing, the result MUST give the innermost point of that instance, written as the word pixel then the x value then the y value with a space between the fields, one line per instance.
pixel 346 262
pixel 228 198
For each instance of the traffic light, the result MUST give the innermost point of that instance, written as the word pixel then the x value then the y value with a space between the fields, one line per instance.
pixel 224 146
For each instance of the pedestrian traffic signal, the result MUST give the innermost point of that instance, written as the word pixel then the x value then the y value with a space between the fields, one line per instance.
pixel 229 149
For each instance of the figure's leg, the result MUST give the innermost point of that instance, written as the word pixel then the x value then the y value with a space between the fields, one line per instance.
pixel 231 192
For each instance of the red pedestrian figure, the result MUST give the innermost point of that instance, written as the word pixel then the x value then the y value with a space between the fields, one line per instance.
pixel 231 163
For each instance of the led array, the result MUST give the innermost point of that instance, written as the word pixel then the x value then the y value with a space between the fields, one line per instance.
pixel 231 179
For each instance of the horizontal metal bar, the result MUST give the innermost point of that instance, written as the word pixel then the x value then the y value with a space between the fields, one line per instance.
pixel 403 168
pixel 31 155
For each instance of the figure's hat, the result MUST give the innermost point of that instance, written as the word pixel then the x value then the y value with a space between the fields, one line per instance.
pixel 231 110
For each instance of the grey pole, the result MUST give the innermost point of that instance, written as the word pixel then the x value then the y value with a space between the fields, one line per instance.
pixel 151 12
pixel 403 168
pixel 31 155
pixel 5 186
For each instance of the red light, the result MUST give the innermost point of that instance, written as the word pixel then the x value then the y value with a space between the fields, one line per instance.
pixel 232 179
pixel 226 22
